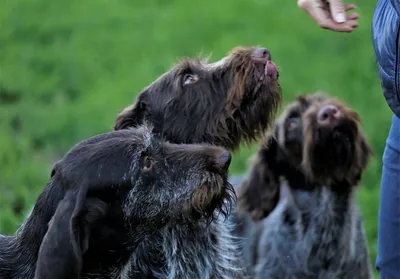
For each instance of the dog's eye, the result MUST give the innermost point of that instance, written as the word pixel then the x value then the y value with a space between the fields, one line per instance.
pixel 292 123
pixel 147 163
pixel 189 79
pixel 53 172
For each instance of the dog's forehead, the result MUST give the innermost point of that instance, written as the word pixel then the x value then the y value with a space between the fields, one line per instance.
pixel 315 99
pixel 292 110
pixel 202 64
pixel 302 104
pixel 217 64
pixel 198 64
pixel 238 52
pixel 334 101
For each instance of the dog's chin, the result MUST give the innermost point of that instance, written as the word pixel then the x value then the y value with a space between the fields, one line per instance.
pixel 332 157
pixel 340 136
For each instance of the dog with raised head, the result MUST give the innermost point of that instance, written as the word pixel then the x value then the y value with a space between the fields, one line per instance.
pixel 109 194
pixel 309 225
pixel 226 103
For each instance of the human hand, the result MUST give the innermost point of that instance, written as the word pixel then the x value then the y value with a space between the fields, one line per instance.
pixel 331 14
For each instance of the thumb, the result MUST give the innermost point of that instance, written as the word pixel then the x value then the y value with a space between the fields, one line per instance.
pixel 337 10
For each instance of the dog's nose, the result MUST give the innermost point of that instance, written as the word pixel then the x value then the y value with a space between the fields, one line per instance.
pixel 328 114
pixel 224 159
pixel 262 52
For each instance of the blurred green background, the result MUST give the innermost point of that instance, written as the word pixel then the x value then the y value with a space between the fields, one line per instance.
pixel 68 67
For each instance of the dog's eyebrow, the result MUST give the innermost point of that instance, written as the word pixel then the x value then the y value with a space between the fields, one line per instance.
pixel 294 112
pixel 187 66
pixel 217 64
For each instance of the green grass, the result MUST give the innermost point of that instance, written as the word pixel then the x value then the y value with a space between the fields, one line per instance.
pixel 68 67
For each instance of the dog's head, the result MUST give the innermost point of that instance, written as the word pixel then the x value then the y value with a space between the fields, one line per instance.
pixel 286 141
pixel 223 103
pixel 316 139
pixel 280 154
pixel 334 146
pixel 133 183
pixel 321 138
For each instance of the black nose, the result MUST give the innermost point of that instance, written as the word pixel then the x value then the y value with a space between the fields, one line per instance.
pixel 262 52
pixel 224 159
pixel 328 114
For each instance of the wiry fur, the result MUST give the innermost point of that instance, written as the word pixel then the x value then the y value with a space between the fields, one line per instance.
pixel 206 258
pixel 312 228
pixel 225 103
pixel 229 102
pixel 107 195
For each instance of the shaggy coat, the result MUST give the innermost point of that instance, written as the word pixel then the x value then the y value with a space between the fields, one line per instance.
pixel 105 197
pixel 225 103
pixel 308 225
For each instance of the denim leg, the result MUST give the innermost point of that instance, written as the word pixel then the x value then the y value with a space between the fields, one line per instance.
pixel 236 180
pixel 388 259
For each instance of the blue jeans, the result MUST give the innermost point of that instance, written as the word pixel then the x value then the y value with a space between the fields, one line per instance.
pixel 388 260
pixel 386 42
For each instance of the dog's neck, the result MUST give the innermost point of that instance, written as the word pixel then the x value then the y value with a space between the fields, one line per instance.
pixel 111 247
pixel 297 180
pixel 209 253
pixel 194 250
pixel 324 203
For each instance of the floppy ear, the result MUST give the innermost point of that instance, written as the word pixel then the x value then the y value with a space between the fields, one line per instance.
pixel 138 114
pixel 67 237
pixel 259 193
pixel 131 116
pixel 364 153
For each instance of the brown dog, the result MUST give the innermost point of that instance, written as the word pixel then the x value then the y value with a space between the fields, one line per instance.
pixel 226 103
pixel 310 226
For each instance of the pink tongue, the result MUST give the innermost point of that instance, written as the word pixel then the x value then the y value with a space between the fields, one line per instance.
pixel 270 70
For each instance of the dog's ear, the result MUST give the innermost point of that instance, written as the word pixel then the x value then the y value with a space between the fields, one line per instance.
pixel 131 116
pixel 364 153
pixel 259 193
pixel 138 114
pixel 67 237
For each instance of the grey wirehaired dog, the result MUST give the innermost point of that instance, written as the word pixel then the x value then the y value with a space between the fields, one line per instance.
pixel 225 103
pixel 309 224
pixel 108 194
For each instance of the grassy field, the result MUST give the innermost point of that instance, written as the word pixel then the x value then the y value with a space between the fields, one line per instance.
pixel 68 67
